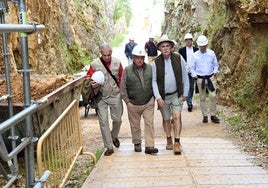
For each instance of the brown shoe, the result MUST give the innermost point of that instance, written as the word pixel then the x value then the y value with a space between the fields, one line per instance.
pixel 177 148
pixel 169 144
pixel 109 152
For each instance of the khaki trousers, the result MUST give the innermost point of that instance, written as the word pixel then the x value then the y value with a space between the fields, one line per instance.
pixel 151 59
pixel 207 107
pixel 135 112
pixel 114 103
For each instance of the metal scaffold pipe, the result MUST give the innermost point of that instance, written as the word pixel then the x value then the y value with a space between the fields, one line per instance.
pixel 27 28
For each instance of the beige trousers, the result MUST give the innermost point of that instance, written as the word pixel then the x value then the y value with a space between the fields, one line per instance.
pixel 208 107
pixel 135 112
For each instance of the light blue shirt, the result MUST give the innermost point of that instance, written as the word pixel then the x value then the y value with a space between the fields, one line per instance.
pixel 204 64
pixel 170 80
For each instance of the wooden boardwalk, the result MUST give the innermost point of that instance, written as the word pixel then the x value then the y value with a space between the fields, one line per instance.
pixel 209 159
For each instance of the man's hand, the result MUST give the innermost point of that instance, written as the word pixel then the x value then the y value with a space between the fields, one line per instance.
pixel 184 98
pixel 94 84
pixel 160 103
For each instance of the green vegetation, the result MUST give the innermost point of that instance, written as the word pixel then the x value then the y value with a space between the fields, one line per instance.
pixel 119 38
pixel 99 153
pixel 251 94
pixel 76 56
pixel 236 122
pixel 216 19
pixel 122 9
pixel 80 171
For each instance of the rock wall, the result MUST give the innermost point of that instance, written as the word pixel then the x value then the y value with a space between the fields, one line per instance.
pixel 74 29
pixel 237 32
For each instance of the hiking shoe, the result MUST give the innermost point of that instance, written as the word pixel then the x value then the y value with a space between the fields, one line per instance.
pixel 215 119
pixel 205 119
pixel 169 144
pixel 116 142
pixel 137 147
pixel 151 150
pixel 190 108
pixel 109 152
pixel 177 148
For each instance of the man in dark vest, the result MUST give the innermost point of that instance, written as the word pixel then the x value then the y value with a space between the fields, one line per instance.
pixel 170 87
pixel 137 92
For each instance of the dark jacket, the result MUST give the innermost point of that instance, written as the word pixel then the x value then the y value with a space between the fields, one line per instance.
pixel 182 51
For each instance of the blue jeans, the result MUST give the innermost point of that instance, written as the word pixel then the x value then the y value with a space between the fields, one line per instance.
pixel 191 90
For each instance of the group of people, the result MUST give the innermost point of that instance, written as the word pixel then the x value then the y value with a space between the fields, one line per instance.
pixel 167 81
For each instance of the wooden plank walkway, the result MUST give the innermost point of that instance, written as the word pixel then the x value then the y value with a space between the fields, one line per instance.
pixel 209 159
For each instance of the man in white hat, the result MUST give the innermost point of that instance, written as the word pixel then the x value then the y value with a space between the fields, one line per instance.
pixel 111 99
pixel 128 49
pixel 187 53
pixel 170 86
pixel 137 92
pixel 150 48
pixel 204 67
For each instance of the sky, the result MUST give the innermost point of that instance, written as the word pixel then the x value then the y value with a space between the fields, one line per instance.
pixel 147 19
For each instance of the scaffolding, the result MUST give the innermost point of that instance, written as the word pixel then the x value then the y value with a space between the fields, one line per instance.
pixel 26 143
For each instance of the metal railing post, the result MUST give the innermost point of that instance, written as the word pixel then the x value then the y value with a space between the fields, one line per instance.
pixel 4 9
pixel 29 151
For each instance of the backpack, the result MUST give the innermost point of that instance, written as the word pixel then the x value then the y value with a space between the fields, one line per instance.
pixel 90 96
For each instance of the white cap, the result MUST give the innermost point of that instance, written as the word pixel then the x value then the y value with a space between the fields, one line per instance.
pixel 188 36
pixel 98 77
pixel 131 38
pixel 202 40
pixel 138 50
pixel 151 36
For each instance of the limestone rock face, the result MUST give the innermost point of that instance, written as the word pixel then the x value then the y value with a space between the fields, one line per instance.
pixel 70 27
pixel 237 32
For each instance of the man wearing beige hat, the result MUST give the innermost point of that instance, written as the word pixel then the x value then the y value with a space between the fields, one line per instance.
pixel 170 87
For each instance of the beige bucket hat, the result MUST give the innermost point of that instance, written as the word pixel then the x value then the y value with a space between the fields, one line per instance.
pixel 165 38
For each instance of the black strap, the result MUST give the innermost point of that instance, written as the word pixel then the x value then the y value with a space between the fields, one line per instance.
pixel 107 68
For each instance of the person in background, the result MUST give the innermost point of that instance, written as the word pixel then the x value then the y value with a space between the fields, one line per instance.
pixel 187 53
pixel 137 92
pixel 150 48
pixel 170 87
pixel 128 49
pixel 111 99
pixel 204 67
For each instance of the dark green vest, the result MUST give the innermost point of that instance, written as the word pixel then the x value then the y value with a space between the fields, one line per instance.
pixel 138 94
pixel 160 73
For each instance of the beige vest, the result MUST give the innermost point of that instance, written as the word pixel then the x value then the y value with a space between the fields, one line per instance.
pixel 109 86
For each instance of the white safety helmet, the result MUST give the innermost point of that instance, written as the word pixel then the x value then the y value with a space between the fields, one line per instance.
pixel 202 40
pixel 98 77
pixel 138 50
pixel 151 36
pixel 188 36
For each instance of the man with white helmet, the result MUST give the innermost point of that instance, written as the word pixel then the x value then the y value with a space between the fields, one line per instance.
pixel 136 91
pixel 204 67
pixel 187 53
pixel 128 49
pixel 150 48
pixel 112 69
